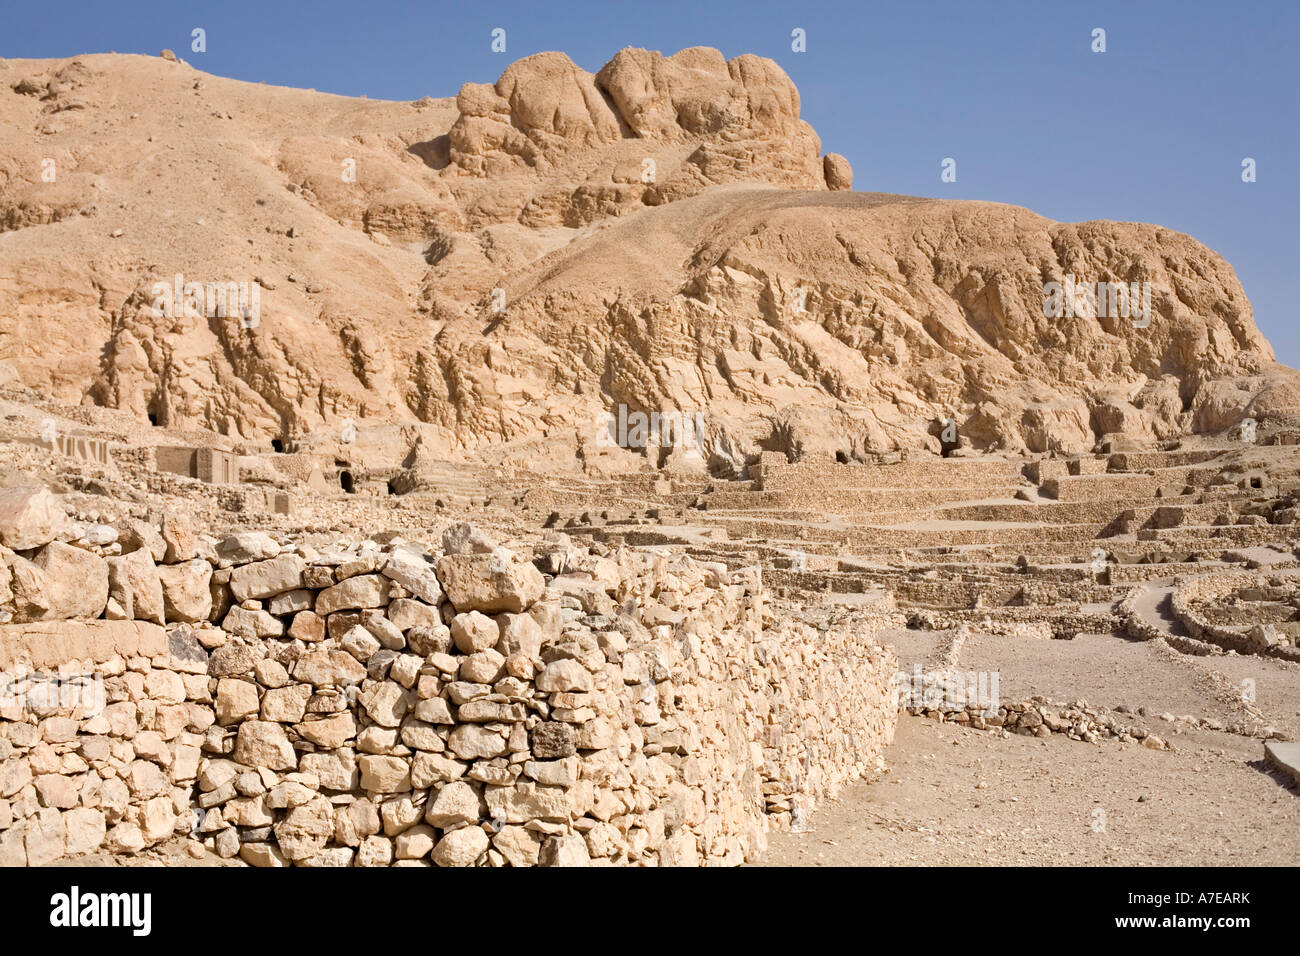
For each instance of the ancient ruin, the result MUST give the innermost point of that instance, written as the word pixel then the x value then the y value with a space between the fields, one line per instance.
pixel 601 480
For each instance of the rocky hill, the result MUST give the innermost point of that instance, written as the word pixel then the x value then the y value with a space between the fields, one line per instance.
pixel 493 273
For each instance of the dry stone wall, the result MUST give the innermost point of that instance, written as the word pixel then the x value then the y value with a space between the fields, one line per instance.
pixel 404 704
pixel 1192 593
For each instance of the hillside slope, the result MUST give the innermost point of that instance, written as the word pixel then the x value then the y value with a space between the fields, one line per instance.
pixel 505 267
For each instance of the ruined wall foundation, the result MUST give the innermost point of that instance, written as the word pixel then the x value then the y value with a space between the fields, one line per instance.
pixel 410 705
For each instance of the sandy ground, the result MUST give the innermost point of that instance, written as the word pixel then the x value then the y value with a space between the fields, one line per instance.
pixel 954 796
pixel 959 796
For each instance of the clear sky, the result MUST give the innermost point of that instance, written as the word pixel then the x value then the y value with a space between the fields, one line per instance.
pixel 1154 129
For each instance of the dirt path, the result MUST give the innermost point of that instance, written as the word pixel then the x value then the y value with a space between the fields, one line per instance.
pixel 1152 606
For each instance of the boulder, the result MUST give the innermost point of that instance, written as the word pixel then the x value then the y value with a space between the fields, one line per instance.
pixel 328 667
pixel 329 732
pixel 464 538
pixel 552 740
pixel 362 591
pixel 139 535
pixel 838 172
pixel 247 546
pixel 179 538
pixel 456 803
pixel 461 847
pixel 73 584
pixel 475 742
pixel 86 830
pixel 246 623
pixel 307 626
pixel 562 675
pixel 264 579
pixel 405 614
pixel 304 830
pixel 29 589
pixel 520 634
pixel 489 582
pixel 46 837
pixel 30 518
pixel 186 591
pixel 236 700
pixel 473 632
pixel 261 743
pixel 413 571
pixel 564 850
pixel 134 583
pixel 519 845
pixel 381 774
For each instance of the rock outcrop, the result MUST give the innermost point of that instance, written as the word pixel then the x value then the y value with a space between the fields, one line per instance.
pixel 503 269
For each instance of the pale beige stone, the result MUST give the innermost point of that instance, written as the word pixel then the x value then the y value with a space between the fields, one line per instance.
pixel 489 582
pixel 260 743
pixel 187 590
pixel 133 581
pixel 382 774
pixel 460 847
pixel 455 803
pixel 30 517
pixel 519 846
pixel 474 632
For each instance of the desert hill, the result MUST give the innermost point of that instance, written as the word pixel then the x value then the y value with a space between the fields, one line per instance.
pixel 488 275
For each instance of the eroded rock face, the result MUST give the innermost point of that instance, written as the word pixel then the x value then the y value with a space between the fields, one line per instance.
pixel 838 172
pixel 625 127
pixel 662 234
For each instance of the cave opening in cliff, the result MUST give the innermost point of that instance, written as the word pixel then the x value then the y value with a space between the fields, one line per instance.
pixel 345 481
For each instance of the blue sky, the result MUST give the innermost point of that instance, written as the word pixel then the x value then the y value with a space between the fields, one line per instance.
pixel 1155 129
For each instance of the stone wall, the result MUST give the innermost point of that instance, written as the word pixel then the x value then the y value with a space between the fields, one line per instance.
pixel 74 446
pixel 1205 589
pixel 1103 487
pixel 408 704
pixel 206 464
pixel 101 726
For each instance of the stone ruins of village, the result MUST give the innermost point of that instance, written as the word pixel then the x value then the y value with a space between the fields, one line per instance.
pixel 601 480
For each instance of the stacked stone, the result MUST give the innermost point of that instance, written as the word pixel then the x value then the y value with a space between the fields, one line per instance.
pixel 398 704
pixel 1193 593
pixel 101 726
pixel 101 710
pixel 454 708
pixel 53 569
pixel 1040 717
pixel 823 714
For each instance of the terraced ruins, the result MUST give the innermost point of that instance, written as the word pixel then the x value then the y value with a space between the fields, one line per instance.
pixel 922 573
pixel 1126 609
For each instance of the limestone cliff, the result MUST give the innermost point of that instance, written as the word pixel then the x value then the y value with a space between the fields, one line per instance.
pixel 497 271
